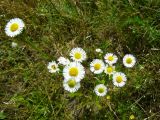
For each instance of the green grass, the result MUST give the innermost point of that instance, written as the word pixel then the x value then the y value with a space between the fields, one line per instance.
pixel 53 28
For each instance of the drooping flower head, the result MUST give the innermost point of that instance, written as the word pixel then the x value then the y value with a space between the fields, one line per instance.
pixel 63 61
pixel 14 44
pixel 98 50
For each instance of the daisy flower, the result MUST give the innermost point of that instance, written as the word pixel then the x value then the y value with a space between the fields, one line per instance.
pixel 109 69
pixel 100 90
pixel 13 44
pixel 53 67
pixel 14 27
pixel 98 50
pixel 74 70
pixel 71 85
pixel 119 79
pixel 129 60
pixel 110 58
pixel 63 61
pixel 97 66
pixel 78 54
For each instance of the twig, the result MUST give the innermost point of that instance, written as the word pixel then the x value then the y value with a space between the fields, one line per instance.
pixel 151 116
pixel 112 110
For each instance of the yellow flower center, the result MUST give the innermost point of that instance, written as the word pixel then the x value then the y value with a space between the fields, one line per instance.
pixel 110 58
pixel 73 71
pixel 53 67
pixel 109 69
pixel 14 27
pixel 119 79
pixel 108 97
pixel 132 117
pixel 71 83
pixel 97 66
pixel 77 55
pixel 101 90
pixel 129 60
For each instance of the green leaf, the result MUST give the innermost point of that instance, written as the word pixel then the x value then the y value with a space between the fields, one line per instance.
pixel 2 115
pixel 103 81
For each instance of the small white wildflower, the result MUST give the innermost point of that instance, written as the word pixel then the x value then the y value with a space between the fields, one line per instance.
pixel 110 58
pixel 119 79
pixel 14 27
pixel 100 90
pixel 74 70
pixel 78 54
pixel 14 44
pixel 98 50
pixel 53 67
pixel 129 60
pixel 97 66
pixel 71 85
pixel 63 61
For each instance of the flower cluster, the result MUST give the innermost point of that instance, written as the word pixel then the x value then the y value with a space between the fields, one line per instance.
pixel 74 72
pixel 119 79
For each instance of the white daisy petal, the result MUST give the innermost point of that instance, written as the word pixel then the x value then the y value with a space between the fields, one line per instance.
pixel 74 70
pixel 100 90
pixel 110 58
pixel 78 54
pixel 14 27
pixel 63 61
pixel 129 60
pixel 116 84
pixel 71 85
pixel 53 67
pixel 97 66
pixel 122 84
pixel 119 79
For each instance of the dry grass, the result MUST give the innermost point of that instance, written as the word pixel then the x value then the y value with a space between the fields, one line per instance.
pixel 53 28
